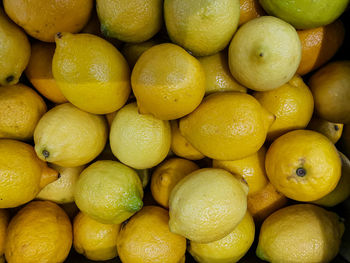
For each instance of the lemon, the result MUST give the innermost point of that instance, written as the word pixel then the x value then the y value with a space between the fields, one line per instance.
pixel 303 165
pixel 229 249
pixel 21 108
pixel 300 233
pixel 342 190
pixel 265 53
pixel 180 146
pixel 207 205
pixel 93 76
pixel 139 140
pixel 61 191
pixel 39 232
pixel 22 173
pixel 14 51
pixel 217 74
pixel 167 82
pixel 130 21
pixel 331 130
pixel 4 220
pixel 132 51
pixel 146 238
pixel 251 168
pixel 292 104
pixel 95 240
pixel 108 192
pixel 68 136
pixel 227 126
pixel 202 27
pixel 167 175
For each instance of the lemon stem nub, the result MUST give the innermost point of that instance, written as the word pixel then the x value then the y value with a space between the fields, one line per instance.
pixel 301 172
pixel 10 78
pixel 45 153
pixel 59 35
pixel 336 127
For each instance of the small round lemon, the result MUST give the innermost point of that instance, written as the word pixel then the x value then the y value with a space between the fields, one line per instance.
pixel 39 232
pixel 207 205
pixel 96 241
pixel 300 233
pixel 139 140
pixel 231 248
pixel 303 165
pixel 167 82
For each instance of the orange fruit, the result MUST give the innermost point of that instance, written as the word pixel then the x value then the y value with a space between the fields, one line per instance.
pixel 250 9
pixel 39 72
pixel 319 45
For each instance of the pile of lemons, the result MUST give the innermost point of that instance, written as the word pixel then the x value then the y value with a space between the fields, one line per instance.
pixel 147 128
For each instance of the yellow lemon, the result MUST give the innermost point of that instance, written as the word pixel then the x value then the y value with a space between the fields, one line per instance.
pixel 202 27
pixel 331 130
pixel 292 104
pixel 139 140
pixel 95 76
pixel 132 51
pixel 22 173
pixel 4 220
pixel 39 232
pixel 217 74
pixel 167 175
pixel 14 51
pixel 21 108
pixel 342 190
pixel 130 21
pixel 303 165
pixel 229 249
pixel 42 19
pixel 146 238
pixel 265 53
pixel 167 82
pixel 109 192
pixel 68 136
pixel 207 205
pixel 39 72
pixel 180 146
pixel 96 241
pixel 61 191
pixel 251 168
pixel 227 126
pixel 300 233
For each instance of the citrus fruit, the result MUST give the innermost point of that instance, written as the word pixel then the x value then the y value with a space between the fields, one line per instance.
pixel 42 19
pixel 93 77
pixel 61 191
pixel 95 240
pixel 217 74
pixel 207 205
pixel 251 168
pixel 109 192
pixel 146 238
pixel 4 220
pixel 303 165
pixel 227 126
pixel 318 45
pixel 202 27
pixel 132 51
pixel 330 87
pixel 180 146
pixel 130 21
pixel 304 14
pixel 167 82
pixel 39 232
pixel 264 54
pixel 39 72
pixel 300 233
pixel 250 9
pixel 231 248
pixel 21 108
pixel 14 51
pixel 139 140
pixel 167 175
pixel 292 104
pixel 22 173
pixel 331 130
